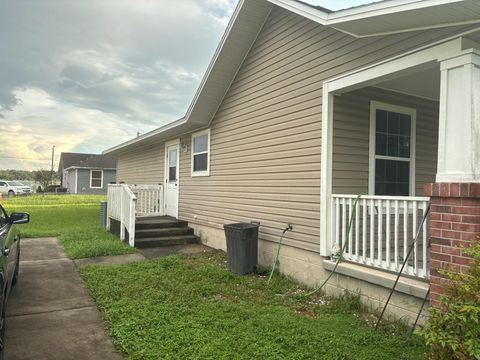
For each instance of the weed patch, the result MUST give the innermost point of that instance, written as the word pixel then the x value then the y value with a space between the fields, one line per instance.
pixel 184 307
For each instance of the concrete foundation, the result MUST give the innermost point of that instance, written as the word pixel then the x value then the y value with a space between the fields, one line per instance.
pixel 311 269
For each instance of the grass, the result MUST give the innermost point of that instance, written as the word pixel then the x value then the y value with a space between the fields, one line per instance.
pixel 74 219
pixel 192 307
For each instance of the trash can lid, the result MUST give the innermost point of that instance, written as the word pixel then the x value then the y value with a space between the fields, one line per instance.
pixel 240 226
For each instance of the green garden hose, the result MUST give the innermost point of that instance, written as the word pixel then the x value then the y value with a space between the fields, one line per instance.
pixel 340 255
pixel 288 228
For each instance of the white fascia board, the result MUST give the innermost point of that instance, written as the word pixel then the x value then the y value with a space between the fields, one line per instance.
pixel 88 168
pixel 157 133
pixel 144 137
pixel 364 12
pixel 383 8
pixel 215 57
pixel 304 10
pixel 373 73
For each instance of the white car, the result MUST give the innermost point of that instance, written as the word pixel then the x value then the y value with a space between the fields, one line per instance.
pixel 12 188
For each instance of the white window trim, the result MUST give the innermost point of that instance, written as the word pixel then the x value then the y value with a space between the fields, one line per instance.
pixel 205 172
pixel 374 106
pixel 101 179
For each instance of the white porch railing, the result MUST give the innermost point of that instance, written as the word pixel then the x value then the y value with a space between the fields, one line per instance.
pixel 121 207
pixel 125 203
pixel 149 200
pixel 382 230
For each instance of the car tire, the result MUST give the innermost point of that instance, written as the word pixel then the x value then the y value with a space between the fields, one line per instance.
pixel 2 329
pixel 11 193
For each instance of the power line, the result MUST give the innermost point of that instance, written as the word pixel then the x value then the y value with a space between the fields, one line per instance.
pixel 25 158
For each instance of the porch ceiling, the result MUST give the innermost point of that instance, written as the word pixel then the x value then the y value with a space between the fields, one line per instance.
pixel 425 84
pixel 379 18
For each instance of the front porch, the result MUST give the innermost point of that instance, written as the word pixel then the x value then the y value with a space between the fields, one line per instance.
pixel 389 130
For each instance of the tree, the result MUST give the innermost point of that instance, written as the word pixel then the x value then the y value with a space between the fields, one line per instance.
pixel 11 174
pixel 44 177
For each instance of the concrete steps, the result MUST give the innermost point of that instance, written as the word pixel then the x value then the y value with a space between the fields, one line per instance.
pixel 162 231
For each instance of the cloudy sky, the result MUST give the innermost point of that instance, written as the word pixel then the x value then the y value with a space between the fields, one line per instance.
pixel 87 75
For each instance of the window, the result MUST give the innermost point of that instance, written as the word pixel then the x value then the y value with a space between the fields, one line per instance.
pixel 96 179
pixel 201 153
pixel 392 150
pixel 172 163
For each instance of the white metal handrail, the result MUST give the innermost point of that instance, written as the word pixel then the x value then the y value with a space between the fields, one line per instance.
pixel 121 206
pixel 382 230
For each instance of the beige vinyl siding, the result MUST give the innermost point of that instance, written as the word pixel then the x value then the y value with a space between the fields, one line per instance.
pixel 144 165
pixel 351 124
pixel 266 134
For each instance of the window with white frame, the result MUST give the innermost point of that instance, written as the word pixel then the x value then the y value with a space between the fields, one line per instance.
pixel 96 179
pixel 392 150
pixel 201 153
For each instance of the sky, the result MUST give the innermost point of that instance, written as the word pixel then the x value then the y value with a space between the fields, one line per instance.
pixel 86 75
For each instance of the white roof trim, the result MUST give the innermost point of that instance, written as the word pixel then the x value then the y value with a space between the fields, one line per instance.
pixel 194 120
pixel 188 117
pixel 386 7
pixel 304 10
pixel 429 53
pixel 146 136
pixel 215 58
pixel 382 8
pixel 160 130
pixel 87 168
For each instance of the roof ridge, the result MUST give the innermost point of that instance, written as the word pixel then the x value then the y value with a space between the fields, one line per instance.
pixel 318 7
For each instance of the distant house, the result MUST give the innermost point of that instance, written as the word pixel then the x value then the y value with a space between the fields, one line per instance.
pixel 87 173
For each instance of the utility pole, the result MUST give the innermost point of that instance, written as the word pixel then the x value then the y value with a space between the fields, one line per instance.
pixel 53 155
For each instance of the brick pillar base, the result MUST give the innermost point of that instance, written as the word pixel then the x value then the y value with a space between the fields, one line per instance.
pixel 454 222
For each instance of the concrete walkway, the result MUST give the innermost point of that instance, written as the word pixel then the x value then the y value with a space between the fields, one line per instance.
pixel 49 313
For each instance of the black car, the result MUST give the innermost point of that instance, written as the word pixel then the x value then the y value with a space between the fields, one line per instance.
pixel 9 260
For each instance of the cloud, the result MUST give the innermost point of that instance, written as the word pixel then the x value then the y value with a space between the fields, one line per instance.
pixel 68 66
pixel 68 127
pixel 87 75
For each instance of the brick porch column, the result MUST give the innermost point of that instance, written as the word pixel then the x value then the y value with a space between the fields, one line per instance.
pixel 454 222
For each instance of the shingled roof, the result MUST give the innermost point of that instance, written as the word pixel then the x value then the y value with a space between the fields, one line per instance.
pixel 92 161
pixel 98 162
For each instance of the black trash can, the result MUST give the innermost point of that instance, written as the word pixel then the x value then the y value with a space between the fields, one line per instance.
pixel 242 247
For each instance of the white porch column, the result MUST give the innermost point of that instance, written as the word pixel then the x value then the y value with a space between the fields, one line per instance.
pixel 459 125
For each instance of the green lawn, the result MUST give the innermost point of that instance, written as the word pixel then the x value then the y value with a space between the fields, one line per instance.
pixel 191 307
pixel 74 219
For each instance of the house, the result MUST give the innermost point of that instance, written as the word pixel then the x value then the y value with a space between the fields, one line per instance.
pixel 303 109
pixel 86 173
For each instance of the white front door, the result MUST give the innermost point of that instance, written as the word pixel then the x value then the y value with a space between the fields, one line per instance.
pixel 171 179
